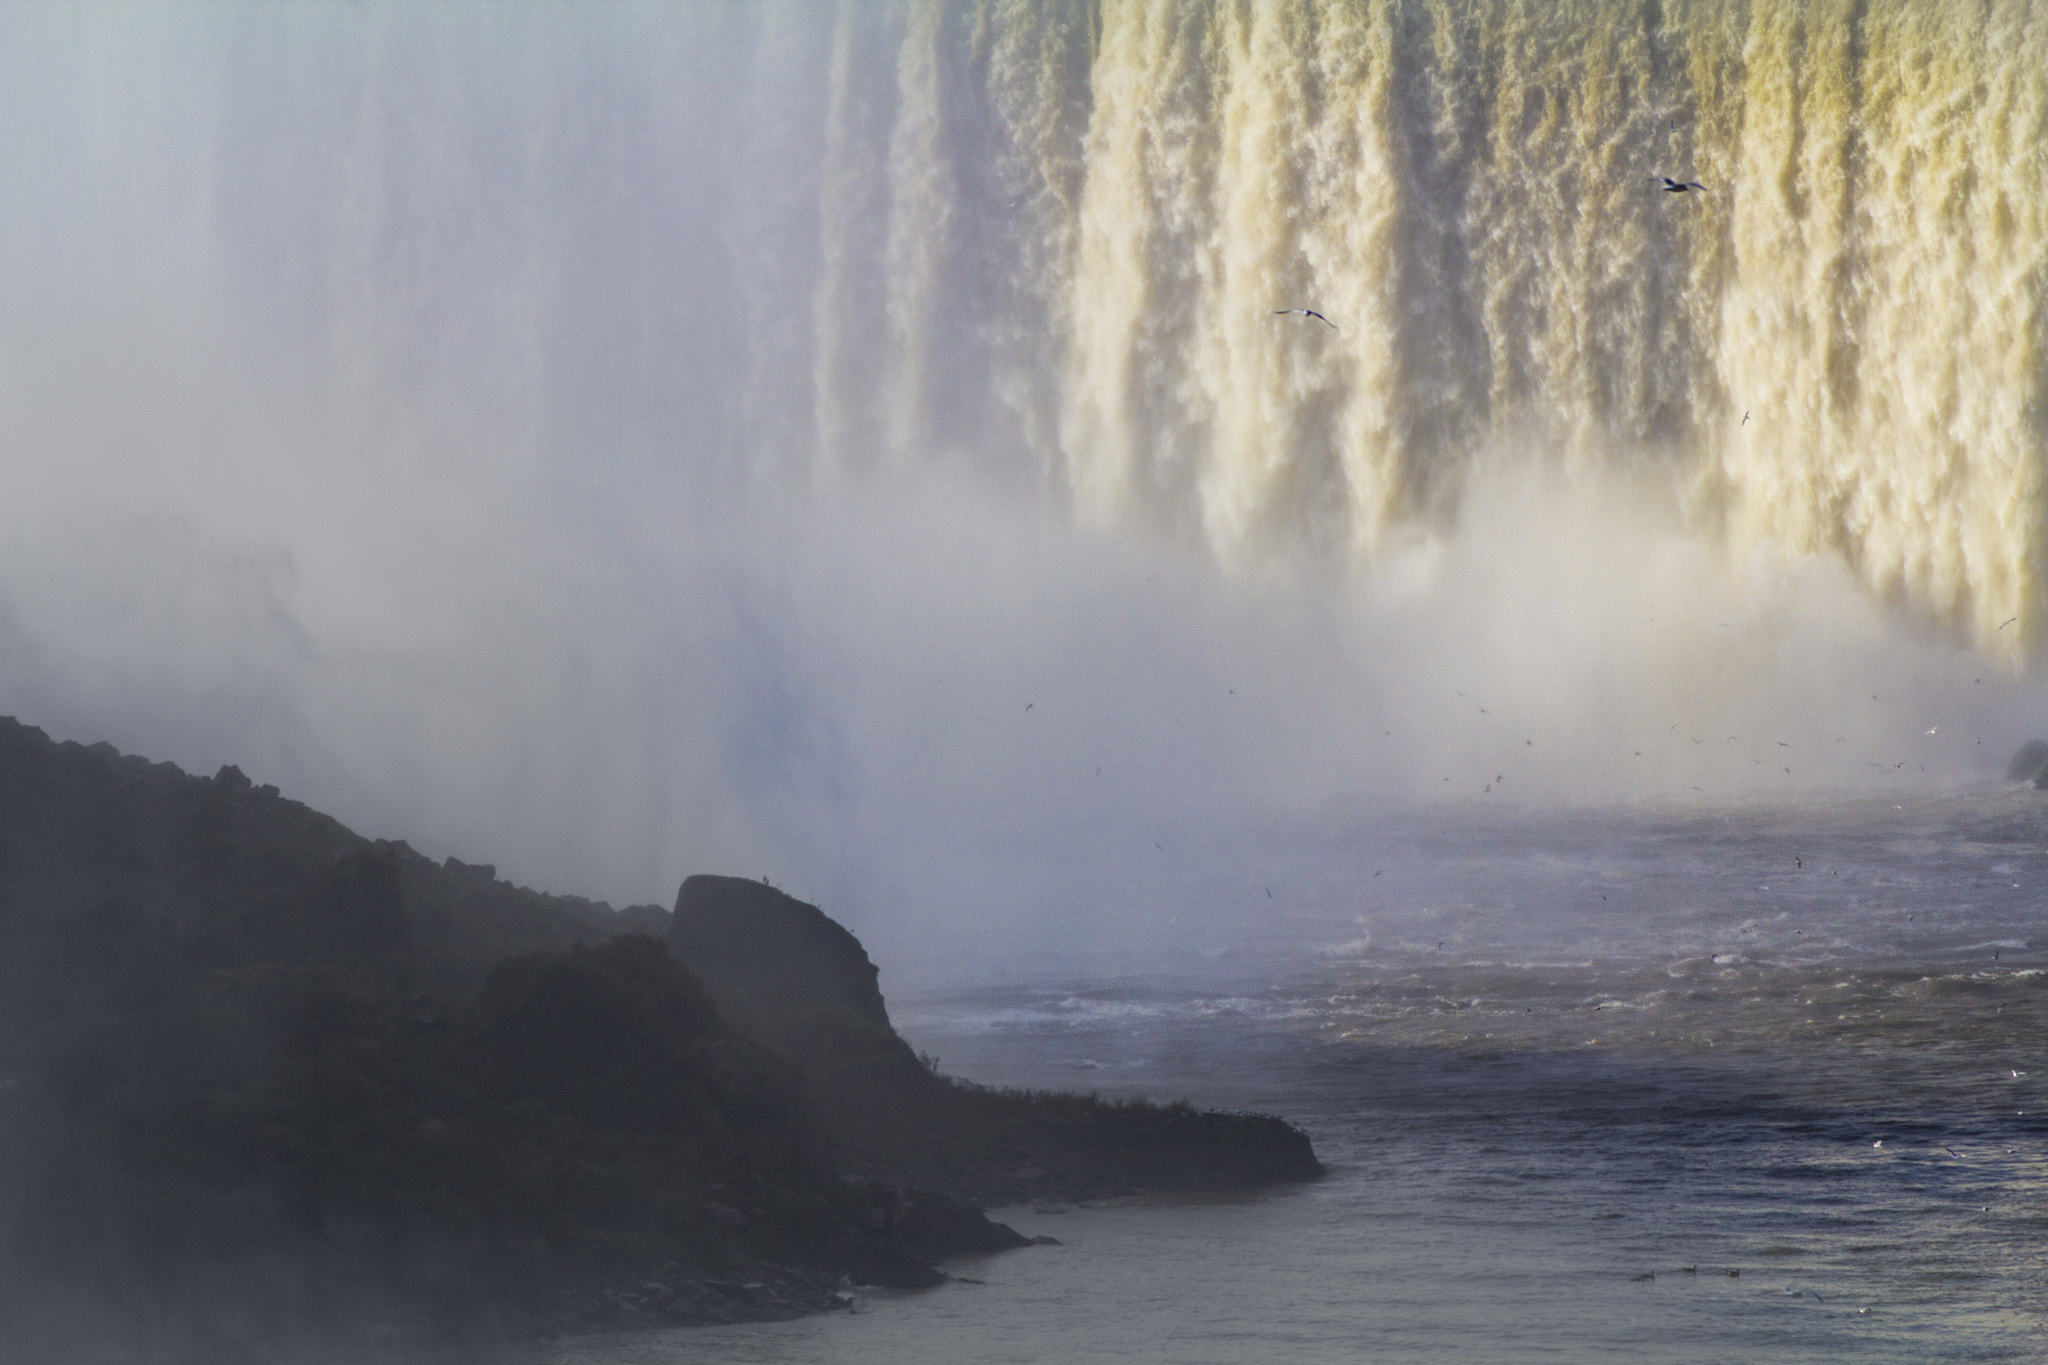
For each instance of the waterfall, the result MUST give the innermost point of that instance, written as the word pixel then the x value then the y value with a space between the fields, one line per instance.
pixel 1047 240
pixel 660 437
pixel 1839 345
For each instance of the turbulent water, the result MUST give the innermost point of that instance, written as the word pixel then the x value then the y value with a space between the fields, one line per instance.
pixel 1092 213
pixel 1569 1074
pixel 1538 725
pixel 1049 239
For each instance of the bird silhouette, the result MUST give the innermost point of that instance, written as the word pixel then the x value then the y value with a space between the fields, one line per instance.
pixel 1679 186
pixel 1307 313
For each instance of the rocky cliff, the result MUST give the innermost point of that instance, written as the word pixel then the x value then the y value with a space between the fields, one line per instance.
pixel 260 1076
pixel 801 983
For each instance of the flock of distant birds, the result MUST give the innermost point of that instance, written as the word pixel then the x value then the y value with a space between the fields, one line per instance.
pixel 1501 777
pixel 1667 185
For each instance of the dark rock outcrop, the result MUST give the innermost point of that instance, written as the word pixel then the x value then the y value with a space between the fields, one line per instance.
pixel 246 1050
pixel 791 977
pixel 757 942
pixel 934 1226
pixel 2030 764
pixel 281 1074
pixel 794 979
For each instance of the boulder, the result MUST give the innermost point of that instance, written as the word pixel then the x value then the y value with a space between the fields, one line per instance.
pixel 933 1226
pixel 2030 764
pixel 789 976
pixel 771 952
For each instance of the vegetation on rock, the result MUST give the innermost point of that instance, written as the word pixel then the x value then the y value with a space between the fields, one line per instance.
pixel 258 1069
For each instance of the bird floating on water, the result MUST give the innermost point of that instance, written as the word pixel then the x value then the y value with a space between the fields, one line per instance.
pixel 1307 313
pixel 1680 186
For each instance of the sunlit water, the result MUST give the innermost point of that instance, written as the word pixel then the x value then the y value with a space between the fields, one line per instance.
pixel 1546 1058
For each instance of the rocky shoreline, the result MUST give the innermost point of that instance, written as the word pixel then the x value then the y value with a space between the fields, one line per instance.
pixel 760 1291
pixel 270 1081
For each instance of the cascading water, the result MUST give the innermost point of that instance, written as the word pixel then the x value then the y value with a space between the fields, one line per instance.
pixel 1092 214
pixel 1543 730
pixel 1049 239
pixel 648 390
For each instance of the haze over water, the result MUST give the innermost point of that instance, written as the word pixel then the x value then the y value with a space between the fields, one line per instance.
pixel 856 445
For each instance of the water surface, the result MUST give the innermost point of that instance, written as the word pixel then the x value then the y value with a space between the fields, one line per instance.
pixel 1553 1061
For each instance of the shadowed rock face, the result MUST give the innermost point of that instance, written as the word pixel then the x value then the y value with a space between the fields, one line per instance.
pixel 766 951
pixel 784 973
pixel 788 975
pixel 241 1046
pixel 2030 764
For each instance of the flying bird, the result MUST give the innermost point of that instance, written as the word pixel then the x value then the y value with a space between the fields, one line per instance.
pixel 1680 186
pixel 2007 621
pixel 1307 313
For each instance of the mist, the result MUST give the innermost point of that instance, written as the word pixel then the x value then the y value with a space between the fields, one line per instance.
pixel 433 412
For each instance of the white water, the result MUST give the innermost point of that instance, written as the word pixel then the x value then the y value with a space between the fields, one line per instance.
pixel 1839 345
pixel 856 445
pixel 617 442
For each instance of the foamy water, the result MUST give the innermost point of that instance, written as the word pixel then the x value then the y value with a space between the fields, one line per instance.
pixel 857 445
